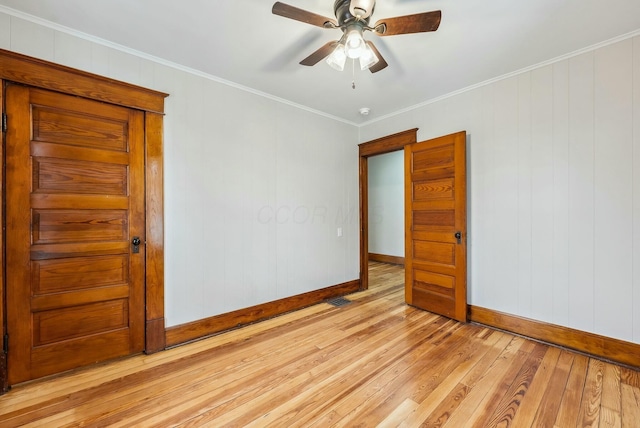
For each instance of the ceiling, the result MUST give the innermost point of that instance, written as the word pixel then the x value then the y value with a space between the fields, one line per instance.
pixel 242 42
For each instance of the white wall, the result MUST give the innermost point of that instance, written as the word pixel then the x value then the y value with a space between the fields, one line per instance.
pixel 386 203
pixel 554 188
pixel 254 188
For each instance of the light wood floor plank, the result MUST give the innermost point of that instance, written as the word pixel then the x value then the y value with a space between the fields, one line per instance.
pixel 248 394
pixel 63 385
pixel 373 362
pixel 392 378
pixel 350 370
pixel 384 400
pixel 570 405
pixel 190 374
pixel 459 399
pixel 630 405
pixel 550 401
pixel 435 407
pixel 540 381
pixel 484 389
pixel 590 404
pixel 340 353
pixel 513 398
pixel 630 376
pixel 425 371
pixel 498 387
pixel 396 417
pixel 611 404
pixel 340 403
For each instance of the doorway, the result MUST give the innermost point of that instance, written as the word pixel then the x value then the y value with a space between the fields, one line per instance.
pixel 435 232
pixel 380 146
pixel 65 140
pixel 386 208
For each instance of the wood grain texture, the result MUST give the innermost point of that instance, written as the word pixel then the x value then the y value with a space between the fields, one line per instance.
pixel 155 336
pixel 301 15
pixel 16 155
pixel 550 400
pixel 42 74
pixel 432 224
pixel 74 322
pixel 84 86
pixel 4 383
pixel 177 335
pixel 363 188
pixel 407 24
pixel 589 409
pixel 379 146
pixel 373 362
pixel 593 344
pixel 389 143
pixel 154 176
pixel 568 414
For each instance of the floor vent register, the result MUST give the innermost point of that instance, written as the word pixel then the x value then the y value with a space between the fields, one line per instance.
pixel 338 301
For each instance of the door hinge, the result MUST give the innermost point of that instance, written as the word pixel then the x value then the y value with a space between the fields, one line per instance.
pixel 4 122
pixel 5 346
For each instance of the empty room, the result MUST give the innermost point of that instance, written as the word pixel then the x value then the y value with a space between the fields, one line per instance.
pixel 319 213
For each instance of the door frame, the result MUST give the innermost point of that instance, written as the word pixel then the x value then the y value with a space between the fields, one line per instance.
pixel 379 146
pixel 21 69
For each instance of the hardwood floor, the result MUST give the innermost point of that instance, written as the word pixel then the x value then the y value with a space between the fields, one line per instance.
pixel 372 362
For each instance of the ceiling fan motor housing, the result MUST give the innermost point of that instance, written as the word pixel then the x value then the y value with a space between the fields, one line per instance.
pixel 345 17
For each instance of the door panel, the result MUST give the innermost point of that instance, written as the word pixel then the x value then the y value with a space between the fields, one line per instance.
pixel 75 200
pixel 435 209
pixel 76 176
pixel 434 252
pixel 53 276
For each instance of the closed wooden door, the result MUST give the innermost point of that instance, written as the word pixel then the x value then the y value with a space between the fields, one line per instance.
pixel 436 226
pixel 74 203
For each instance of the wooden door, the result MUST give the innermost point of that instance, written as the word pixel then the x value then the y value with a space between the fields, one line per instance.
pixel 436 226
pixel 75 201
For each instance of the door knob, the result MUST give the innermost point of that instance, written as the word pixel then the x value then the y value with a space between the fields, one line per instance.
pixel 135 242
pixel 458 236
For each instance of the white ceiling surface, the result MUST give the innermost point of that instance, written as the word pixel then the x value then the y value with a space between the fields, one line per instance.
pixel 241 41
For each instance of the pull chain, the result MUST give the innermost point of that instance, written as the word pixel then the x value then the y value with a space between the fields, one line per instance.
pixel 353 70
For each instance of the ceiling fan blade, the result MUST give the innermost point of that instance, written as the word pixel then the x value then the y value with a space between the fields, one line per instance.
pixel 418 23
pixel 381 62
pixel 302 15
pixel 320 54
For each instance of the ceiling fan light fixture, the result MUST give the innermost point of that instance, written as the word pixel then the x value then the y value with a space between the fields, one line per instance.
pixel 337 58
pixel 354 46
pixel 352 18
pixel 368 58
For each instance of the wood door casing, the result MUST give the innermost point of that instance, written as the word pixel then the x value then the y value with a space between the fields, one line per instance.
pixel 435 210
pixel 75 192
pixel 379 146
pixel 4 382
pixel 37 73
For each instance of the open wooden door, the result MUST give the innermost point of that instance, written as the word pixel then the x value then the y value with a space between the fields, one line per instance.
pixel 75 212
pixel 436 226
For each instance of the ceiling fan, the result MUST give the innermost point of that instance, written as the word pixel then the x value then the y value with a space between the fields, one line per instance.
pixel 352 17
